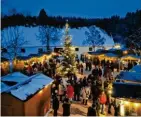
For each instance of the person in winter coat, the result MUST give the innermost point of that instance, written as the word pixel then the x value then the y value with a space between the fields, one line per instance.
pixel 90 65
pixel 85 94
pixel 53 90
pixel 81 68
pixel 84 81
pixel 100 71
pixel 66 107
pixel 29 70
pixel 70 92
pixel 55 105
pixel 86 63
pixel 61 91
pixel 77 89
pixel 95 72
pixel 102 99
pixel 92 110
pixel 97 103
pixel 116 108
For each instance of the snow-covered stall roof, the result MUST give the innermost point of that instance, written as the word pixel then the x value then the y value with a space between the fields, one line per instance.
pixel 130 76
pixel 29 87
pixel 4 86
pixel 111 55
pixel 127 90
pixel 136 68
pixel 130 56
pixel 15 77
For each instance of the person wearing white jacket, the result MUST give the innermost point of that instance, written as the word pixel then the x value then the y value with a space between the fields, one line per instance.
pixel 85 92
pixel 61 90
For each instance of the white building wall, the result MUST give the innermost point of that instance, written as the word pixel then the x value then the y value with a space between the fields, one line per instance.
pixel 35 50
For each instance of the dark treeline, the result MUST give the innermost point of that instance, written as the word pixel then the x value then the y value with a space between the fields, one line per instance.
pixel 113 25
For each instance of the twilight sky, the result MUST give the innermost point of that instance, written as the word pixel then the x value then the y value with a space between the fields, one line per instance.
pixel 83 8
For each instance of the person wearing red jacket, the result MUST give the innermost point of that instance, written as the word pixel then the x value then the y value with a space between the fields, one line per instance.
pixel 70 92
pixel 102 99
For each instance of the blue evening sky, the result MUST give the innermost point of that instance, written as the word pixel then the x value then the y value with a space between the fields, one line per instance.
pixel 83 8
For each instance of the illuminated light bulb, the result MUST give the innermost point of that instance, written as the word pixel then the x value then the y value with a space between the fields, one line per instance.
pixel 40 92
pixel 46 86
pixel 122 110
pixel 110 91
pixel 136 104
pixel 127 103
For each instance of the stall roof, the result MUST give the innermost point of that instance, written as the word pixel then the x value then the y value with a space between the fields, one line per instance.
pixel 136 68
pixel 34 55
pixel 4 59
pixel 126 90
pixel 130 76
pixel 29 87
pixel 4 86
pixel 23 57
pixel 132 56
pixel 95 53
pixel 115 49
pixel 111 55
pixel 14 77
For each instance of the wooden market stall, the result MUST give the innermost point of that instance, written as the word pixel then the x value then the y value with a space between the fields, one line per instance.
pixel 5 66
pixel 129 91
pixel 19 62
pixel 130 58
pixel 129 97
pixel 31 97
pixel 102 56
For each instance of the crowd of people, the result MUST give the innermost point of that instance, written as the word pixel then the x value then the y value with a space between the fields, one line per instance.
pixel 95 87
pixel 47 67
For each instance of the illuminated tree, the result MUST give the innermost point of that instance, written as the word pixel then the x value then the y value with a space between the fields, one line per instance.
pixel 68 64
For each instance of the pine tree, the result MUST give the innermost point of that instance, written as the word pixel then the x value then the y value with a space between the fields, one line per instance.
pixel 68 64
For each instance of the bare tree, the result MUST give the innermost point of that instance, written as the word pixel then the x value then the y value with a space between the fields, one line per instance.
pixel 12 39
pixel 93 37
pixel 48 34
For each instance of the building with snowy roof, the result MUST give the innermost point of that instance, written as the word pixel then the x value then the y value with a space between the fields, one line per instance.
pixel 30 97
pixel 127 89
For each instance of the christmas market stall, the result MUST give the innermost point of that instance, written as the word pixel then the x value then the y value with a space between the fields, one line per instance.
pixel 127 89
pixel 5 66
pixel 130 57
pixel 40 57
pixel 111 56
pixel 129 97
pixel 19 62
pixel 31 97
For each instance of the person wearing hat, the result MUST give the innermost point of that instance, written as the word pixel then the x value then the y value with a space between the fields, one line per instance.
pixel 92 110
